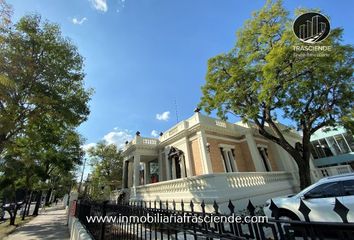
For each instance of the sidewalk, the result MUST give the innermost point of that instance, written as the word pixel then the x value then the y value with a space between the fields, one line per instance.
pixel 49 225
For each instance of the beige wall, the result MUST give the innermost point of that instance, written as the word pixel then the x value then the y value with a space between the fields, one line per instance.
pixel 196 160
pixel 242 155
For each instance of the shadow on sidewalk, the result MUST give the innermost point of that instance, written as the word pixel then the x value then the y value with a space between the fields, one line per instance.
pixel 50 224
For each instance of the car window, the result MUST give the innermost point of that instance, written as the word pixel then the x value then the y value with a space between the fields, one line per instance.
pixel 325 190
pixel 348 187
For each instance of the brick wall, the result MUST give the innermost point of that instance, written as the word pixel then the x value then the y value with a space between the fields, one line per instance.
pixel 242 156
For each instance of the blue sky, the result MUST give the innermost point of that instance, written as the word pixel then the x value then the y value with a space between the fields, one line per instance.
pixel 145 57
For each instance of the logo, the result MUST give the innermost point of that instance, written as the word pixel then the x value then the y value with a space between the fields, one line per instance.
pixel 311 27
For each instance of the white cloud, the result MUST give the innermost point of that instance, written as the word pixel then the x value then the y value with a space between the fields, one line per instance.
pixel 120 5
pixel 79 22
pixel 163 116
pixel 88 146
pixel 154 133
pixel 118 137
pixel 100 5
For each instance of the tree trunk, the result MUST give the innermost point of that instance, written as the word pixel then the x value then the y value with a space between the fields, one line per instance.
pixel 29 205
pixel 25 205
pixel 304 175
pixel 13 216
pixel 38 202
pixel 303 163
pixel 47 197
pixel 24 210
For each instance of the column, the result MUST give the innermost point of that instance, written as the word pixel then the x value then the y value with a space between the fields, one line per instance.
pixel 161 165
pixel 206 162
pixel 256 157
pixel 124 182
pixel 136 170
pixel 183 166
pixel 167 164
pixel 146 173
pixel 130 173
pixel 187 158
pixel 173 168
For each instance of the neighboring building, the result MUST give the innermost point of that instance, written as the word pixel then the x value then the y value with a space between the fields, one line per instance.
pixel 203 158
pixel 332 147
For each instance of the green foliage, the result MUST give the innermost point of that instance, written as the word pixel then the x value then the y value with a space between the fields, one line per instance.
pixel 41 72
pixel 107 163
pixel 263 75
pixel 5 14
pixel 42 101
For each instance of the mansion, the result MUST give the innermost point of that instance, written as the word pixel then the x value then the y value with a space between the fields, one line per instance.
pixel 203 158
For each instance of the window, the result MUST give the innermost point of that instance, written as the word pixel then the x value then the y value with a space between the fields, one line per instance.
pixel 229 154
pixel 348 188
pixel 350 140
pixel 263 151
pixel 327 151
pixel 319 151
pixel 154 171
pixel 342 143
pixel 313 151
pixel 333 145
pixel 224 159
pixel 228 157
pixel 325 190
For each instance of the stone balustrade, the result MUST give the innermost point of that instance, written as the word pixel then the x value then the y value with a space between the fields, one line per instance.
pixel 184 125
pixel 210 181
pixel 142 141
pixel 331 171
pixel 221 187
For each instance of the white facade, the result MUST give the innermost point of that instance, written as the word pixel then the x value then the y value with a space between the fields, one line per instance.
pixel 203 158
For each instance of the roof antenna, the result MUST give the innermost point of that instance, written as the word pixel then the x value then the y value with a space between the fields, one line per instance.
pixel 176 110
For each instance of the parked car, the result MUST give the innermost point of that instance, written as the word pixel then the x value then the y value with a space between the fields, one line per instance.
pixel 320 198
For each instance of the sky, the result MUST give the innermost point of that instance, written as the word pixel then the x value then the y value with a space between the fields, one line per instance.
pixel 146 59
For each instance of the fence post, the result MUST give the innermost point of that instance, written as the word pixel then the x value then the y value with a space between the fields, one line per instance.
pixel 103 223
pixel 251 209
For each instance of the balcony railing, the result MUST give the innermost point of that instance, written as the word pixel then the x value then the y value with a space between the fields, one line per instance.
pixel 331 171
pixel 142 141
pixel 220 187
pixel 211 181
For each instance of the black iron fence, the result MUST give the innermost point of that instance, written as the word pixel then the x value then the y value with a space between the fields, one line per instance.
pixel 107 221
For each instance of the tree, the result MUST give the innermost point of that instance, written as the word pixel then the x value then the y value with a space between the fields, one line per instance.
pixel 56 150
pixel 5 14
pixel 38 160
pixel 263 76
pixel 41 72
pixel 107 162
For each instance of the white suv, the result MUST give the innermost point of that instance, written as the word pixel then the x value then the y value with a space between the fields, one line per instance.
pixel 320 198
